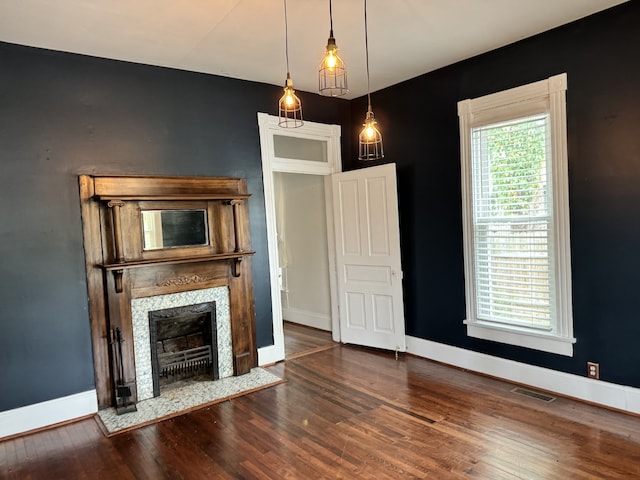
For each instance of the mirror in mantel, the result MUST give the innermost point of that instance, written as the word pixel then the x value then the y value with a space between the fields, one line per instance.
pixel 174 228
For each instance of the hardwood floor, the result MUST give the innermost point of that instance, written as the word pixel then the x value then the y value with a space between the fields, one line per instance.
pixel 301 340
pixel 348 412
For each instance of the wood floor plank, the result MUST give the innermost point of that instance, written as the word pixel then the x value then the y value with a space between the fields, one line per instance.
pixel 4 459
pixel 350 413
pixel 301 340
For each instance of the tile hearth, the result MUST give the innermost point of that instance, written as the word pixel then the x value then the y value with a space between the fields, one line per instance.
pixel 186 396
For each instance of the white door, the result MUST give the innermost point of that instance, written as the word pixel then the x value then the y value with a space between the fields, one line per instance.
pixel 365 209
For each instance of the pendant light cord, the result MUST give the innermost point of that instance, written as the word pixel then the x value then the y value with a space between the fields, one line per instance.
pixel 286 36
pixel 330 20
pixel 366 48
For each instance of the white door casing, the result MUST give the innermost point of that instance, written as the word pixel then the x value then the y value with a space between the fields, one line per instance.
pixel 268 128
pixel 368 265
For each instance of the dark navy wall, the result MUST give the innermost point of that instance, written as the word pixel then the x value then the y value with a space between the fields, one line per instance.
pixel 421 134
pixel 62 115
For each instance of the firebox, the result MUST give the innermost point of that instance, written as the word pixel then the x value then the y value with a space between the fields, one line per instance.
pixel 183 343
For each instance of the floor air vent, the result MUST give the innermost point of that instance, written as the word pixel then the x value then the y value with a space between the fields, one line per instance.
pixel 533 394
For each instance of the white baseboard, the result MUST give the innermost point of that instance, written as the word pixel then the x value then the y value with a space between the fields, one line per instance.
pixel 611 395
pixel 310 319
pixel 270 355
pixel 39 415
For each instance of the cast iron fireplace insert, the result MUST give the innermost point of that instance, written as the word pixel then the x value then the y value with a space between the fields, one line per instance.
pixel 183 343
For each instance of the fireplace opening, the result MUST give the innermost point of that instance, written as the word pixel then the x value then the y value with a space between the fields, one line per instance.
pixel 183 344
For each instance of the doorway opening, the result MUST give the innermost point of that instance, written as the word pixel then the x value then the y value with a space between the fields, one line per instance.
pixel 303 262
pixel 303 259
pixel 296 163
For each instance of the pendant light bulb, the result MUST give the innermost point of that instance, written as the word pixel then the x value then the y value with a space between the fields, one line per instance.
pixel 289 96
pixel 370 132
pixel 289 106
pixel 330 60
pixel 332 74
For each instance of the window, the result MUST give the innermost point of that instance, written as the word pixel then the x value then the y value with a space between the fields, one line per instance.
pixel 515 216
pixel 295 148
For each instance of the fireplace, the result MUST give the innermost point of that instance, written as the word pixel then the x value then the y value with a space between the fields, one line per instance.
pixel 141 286
pixel 147 311
pixel 184 344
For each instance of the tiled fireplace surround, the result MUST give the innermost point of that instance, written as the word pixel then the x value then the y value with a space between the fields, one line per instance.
pixel 140 308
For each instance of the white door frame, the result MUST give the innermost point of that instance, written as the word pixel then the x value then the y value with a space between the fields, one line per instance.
pixel 268 126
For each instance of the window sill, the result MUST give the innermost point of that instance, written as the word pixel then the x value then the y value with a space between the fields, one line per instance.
pixel 545 342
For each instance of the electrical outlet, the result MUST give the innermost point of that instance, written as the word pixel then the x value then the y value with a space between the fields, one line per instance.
pixel 593 370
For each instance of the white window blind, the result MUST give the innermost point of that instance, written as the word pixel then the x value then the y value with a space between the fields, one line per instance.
pixel 512 222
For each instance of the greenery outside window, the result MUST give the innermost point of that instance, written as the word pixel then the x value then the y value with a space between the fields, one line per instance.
pixel 515 215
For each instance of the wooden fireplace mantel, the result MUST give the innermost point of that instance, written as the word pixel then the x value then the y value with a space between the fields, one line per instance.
pixel 120 269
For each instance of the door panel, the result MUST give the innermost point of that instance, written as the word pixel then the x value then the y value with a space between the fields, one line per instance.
pixel 363 273
pixel 376 209
pixel 383 313
pixel 368 257
pixel 355 310
pixel 349 218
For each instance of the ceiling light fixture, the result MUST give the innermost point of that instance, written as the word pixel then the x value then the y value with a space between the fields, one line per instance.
pixel 332 75
pixel 289 106
pixel 370 139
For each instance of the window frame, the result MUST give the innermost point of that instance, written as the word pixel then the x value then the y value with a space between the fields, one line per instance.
pixel 545 96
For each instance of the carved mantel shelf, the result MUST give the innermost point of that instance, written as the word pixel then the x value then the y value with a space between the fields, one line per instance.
pixel 172 197
pixel 205 258
pixel 120 266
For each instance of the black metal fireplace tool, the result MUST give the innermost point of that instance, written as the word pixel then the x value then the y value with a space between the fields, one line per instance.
pixel 123 391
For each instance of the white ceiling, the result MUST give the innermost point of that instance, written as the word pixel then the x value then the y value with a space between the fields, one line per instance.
pixel 245 38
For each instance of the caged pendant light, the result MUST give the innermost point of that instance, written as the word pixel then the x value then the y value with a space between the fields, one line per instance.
pixel 332 74
pixel 370 139
pixel 289 106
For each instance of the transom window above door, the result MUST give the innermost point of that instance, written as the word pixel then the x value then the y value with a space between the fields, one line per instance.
pixel 296 148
